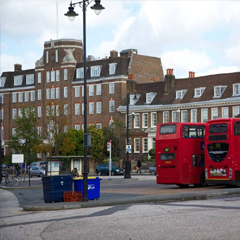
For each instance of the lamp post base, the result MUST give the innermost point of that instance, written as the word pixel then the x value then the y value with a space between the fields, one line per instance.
pixel 127 169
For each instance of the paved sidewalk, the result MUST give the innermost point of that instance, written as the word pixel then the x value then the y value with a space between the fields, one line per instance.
pixel 116 191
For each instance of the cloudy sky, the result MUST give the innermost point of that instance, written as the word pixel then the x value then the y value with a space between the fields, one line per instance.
pixel 199 36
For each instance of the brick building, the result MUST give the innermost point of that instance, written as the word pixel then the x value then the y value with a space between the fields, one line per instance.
pixel 58 76
pixel 192 99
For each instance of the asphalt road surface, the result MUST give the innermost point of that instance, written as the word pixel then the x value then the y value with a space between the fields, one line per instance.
pixel 216 218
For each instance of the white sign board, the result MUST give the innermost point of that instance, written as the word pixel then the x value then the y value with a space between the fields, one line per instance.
pixel 53 166
pixel 17 158
pixel 108 146
pixel 128 148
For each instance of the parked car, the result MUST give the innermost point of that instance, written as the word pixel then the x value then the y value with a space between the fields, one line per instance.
pixel 41 164
pixel 104 169
pixel 37 171
pixel 152 170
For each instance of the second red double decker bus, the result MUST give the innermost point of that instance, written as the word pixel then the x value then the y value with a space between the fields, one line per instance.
pixel 222 151
pixel 180 154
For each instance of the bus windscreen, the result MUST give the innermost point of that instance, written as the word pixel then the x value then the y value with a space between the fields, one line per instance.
pixel 167 129
pixel 218 128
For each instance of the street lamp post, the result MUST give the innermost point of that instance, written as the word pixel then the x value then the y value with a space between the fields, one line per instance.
pixel 97 7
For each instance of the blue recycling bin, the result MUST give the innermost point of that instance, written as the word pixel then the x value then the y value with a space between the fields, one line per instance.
pixel 55 186
pixel 93 186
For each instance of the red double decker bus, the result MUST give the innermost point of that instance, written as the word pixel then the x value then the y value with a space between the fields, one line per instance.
pixel 222 151
pixel 180 154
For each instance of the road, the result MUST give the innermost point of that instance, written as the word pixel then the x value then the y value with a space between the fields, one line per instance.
pixel 216 218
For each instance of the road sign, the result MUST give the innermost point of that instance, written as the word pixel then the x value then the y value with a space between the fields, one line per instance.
pixel 128 148
pixel 108 146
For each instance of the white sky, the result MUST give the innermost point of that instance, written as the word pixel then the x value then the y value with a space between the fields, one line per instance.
pixel 199 36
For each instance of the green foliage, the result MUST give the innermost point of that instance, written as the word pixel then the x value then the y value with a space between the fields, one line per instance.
pixel 26 137
pixel 7 159
pixel 97 142
pixel 152 152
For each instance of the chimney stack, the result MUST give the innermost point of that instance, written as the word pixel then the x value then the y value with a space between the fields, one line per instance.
pixel 191 74
pixel 113 54
pixel 169 82
pixel 17 67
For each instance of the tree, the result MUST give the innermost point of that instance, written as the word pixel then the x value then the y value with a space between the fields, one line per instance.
pixel 97 142
pixel 26 136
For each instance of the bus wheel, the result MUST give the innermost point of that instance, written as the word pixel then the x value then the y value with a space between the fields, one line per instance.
pixel 202 180
pixel 183 185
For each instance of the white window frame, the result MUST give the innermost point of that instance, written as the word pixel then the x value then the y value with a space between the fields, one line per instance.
pixel 77 108
pixel 193 115
pixel 145 120
pixel 175 116
pixel 111 88
pixel 180 94
pixel 98 107
pixel 198 92
pixel 53 93
pixel 79 73
pixel 77 91
pixel 91 108
pixel 57 93
pixel 145 145
pixel 47 76
pixel 29 79
pixel 218 91
pixel 14 97
pixel 57 75
pixel 18 80
pixel 20 97
pixel 20 112
pixel 148 98
pixel 136 145
pixel 225 112
pixel 112 68
pixel 214 109
pixel 111 106
pixel 82 108
pixel 39 111
pixel 48 93
pixel 2 81
pixel 204 115
pixel 65 92
pixel 99 126
pixel 95 71
pixel 32 96
pixel 165 116
pixel 56 55
pixel 136 121
pixel 47 57
pixel 52 76
pixel 184 116
pixel 14 113
pixel 234 110
pixel 77 126
pixel 39 77
pixel 236 89
pixel 65 109
pixel 91 90
pixel 99 89
pixel 65 78
pixel 153 119
pixel 26 96
pixel 39 94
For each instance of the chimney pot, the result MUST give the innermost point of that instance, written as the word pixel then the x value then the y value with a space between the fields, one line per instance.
pixel 113 54
pixel 17 67
pixel 131 76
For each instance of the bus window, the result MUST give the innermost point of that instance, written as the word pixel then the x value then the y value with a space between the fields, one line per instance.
pixel 166 129
pixel 218 128
pixel 194 160
pixel 237 128
pixel 217 151
pixel 167 156
pixel 200 132
pixel 201 160
pixel 192 132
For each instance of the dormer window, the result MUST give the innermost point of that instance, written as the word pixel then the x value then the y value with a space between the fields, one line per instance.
pixel 218 91
pixel 133 98
pixel 2 81
pixel 236 89
pixel 29 79
pixel 150 97
pixel 95 71
pixel 180 94
pixel 112 68
pixel 18 80
pixel 198 92
pixel 79 73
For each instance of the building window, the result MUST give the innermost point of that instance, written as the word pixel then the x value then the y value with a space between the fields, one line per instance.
pixel 91 90
pixel 65 128
pixel 14 113
pixel 39 94
pixel 136 120
pixel 77 91
pixel 91 108
pixel 32 96
pixel 214 113
pixel 144 120
pixel 14 132
pixel 65 92
pixel 111 88
pixel 83 91
pixel 111 106
pixel 57 110
pixel 57 75
pixel 48 93
pixel 218 91
pixel 145 145
pixel 136 145
pixel 235 111
pixel 56 55
pixel 39 77
pixel 65 74
pixel 26 96
pixel 99 89
pixel 225 113
pixel 77 127
pixel 2 113
pixel 99 107
pixel 39 111
pixel 52 93
pixel 153 119
pixel 82 108
pixel 47 57
pixel 112 68
pixel 65 109
pixel 14 97
pixel 204 115
pixel 52 76
pixel 95 71
pixel 2 81
pixel 180 94
pixel 18 80
pixel 48 76
pixel 2 98
pixel 20 97
pixel 20 112
pixel 29 79
pixel 99 126
pixel 148 97
pixel 57 93
pixel 198 92
pixel 165 117
pixel 194 115
pixel 175 116
pixel 236 89
pixel 79 73
pixel 77 108
pixel 184 115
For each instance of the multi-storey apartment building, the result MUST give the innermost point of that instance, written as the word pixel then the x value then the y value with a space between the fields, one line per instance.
pixel 192 99
pixel 58 77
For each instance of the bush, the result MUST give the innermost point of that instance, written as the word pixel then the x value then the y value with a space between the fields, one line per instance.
pixel 152 152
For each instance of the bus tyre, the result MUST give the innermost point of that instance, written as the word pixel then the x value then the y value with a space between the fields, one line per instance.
pixel 183 185
pixel 202 180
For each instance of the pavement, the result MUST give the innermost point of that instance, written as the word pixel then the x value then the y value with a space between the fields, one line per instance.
pixel 116 191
